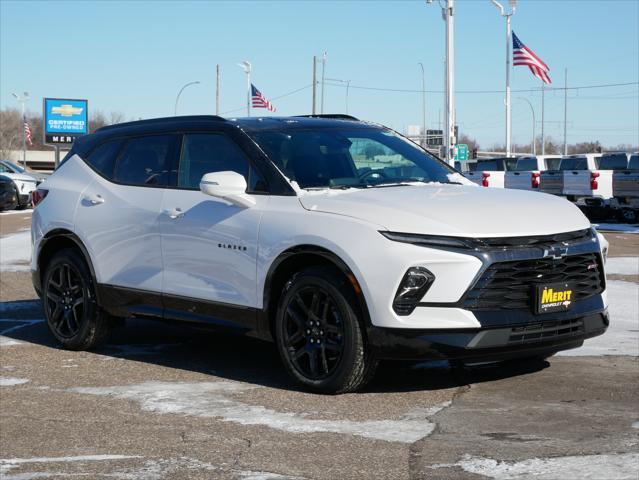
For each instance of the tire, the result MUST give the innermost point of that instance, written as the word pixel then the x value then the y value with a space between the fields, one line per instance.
pixel 319 335
pixel 68 297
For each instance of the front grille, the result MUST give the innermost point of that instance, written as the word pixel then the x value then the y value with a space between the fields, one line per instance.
pixel 510 285
pixel 544 331
pixel 538 241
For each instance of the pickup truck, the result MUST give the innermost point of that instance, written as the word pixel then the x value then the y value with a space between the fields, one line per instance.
pixel 489 172
pixel 527 172
pixel 625 190
pixel 573 179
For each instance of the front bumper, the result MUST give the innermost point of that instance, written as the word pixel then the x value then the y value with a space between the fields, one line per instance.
pixel 540 338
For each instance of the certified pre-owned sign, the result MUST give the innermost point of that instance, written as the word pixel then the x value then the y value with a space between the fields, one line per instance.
pixel 64 120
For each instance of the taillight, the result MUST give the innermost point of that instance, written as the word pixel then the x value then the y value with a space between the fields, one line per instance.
pixel 534 180
pixel 594 184
pixel 38 195
pixel 484 179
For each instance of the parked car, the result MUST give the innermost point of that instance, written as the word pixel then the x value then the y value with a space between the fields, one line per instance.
pixel 8 194
pixel 15 168
pixel 287 229
pixel 525 175
pixel 489 172
pixel 24 184
pixel 625 190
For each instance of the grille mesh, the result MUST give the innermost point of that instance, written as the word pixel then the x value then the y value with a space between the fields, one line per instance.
pixel 542 331
pixel 510 285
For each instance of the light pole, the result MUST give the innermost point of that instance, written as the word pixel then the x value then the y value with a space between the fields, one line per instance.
pixel 423 101
pixel 180 93
pixel 532 110
pixel 246 66
pixel 23 100
pixel 513 5
pixel 348 84
pixel 323 84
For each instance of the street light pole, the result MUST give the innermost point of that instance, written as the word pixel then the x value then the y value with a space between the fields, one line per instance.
pixel 532 110
pixel 180 93
pixel 449 136
pixel 217 89
pixel 513 5
pixel 323 84
pixel 348 84
pixel 423 101
pixel 314 109
pixel 23 100
pixel 246 66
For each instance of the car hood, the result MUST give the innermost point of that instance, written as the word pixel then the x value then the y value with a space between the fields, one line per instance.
pixel 455 210
pixel 21 177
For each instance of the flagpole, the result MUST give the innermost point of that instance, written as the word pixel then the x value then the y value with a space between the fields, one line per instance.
pixel 248 91
pixel 565 110
pixel 543 104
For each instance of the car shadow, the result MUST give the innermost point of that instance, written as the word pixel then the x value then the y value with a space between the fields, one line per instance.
pixel 246 359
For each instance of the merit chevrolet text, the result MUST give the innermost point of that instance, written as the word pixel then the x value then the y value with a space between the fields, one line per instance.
pixel 340 240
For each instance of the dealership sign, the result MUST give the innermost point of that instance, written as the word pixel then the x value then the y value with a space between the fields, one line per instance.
pixel 64 120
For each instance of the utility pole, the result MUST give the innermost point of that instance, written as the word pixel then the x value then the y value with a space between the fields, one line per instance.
pixel 449 136
pixel 423 101
pixel 314 110
pixel 565 110
pixel 323 84
pixel 23 100
pixel 532 110
pixel 246 66
pixel 513 5
pixel 217 89
pixel 543 139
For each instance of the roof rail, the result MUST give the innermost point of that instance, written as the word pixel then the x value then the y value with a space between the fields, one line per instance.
pixel 151 121
pixel 334 116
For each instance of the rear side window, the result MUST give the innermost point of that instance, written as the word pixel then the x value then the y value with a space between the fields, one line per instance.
pixel 614 162
pixel 102 159
pixel 146 161
pixel 574 163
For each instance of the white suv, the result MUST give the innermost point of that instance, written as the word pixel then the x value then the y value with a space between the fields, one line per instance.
pixel 340 240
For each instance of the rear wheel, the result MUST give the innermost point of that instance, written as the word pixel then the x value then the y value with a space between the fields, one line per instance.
pixel 319 333
pixel 70 306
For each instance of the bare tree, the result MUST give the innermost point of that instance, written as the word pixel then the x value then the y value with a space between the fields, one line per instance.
pixel 10 132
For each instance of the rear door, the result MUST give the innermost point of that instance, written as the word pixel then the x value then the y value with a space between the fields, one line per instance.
pixel 209 245
pixel 118 211
pixel 576 175
pixel 626 183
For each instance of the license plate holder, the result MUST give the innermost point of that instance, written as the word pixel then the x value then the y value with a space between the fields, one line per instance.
pixel 553 297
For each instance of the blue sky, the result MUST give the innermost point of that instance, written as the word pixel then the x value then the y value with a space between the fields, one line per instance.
pixel 133 57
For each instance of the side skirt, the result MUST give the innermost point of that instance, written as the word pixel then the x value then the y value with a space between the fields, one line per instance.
pixel 129 302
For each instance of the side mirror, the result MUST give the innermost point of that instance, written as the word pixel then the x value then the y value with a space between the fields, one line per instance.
pixel 229 186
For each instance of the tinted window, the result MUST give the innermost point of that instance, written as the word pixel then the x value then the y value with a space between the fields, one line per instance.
pixel 526 164
pixel 146 160
pixel 341 158
pixel 209 153
pixel 553 163
pixel 4 169
pixel 614 162
pixel 573 163
pixel 103 157
pixel 634 162
pixel 492 164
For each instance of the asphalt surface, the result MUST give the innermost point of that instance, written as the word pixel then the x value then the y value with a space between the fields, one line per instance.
pixel 160 402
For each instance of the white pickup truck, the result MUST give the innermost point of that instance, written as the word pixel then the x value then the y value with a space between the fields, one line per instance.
pixel 625 190
pixel 527 172
pixel 489 172
pixel 576 177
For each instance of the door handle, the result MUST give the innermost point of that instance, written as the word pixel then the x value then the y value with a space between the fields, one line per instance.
pixel 174 213
pixel 96 199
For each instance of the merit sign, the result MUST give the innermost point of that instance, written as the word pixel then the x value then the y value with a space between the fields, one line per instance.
pixel 64 120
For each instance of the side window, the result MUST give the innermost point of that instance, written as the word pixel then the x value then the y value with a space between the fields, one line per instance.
pixel 208 153
pixel 146 160
pixel 103 158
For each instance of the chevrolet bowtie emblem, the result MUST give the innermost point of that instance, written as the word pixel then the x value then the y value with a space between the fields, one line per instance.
pixel 556 252
pixel 67 110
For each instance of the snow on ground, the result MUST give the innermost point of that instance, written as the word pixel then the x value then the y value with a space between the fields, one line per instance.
pixel 11 381
pixel 219 400
pixel 622 337
pixel 622 265
pixel 616 227
pixel 15 252
pixel 17 212
pixel 7 464
pixel 621 466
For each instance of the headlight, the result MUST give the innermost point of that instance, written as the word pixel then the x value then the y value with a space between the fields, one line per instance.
pixel 412 289
pixel 430 240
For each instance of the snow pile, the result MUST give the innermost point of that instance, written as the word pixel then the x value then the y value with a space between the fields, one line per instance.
pixel 15 252
pixel 622 266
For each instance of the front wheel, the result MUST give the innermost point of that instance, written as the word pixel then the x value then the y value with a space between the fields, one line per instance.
pixel 319 333
pixel 70 306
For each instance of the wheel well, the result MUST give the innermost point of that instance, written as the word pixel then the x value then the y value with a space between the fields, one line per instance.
pixel 295 260
pixel 60 240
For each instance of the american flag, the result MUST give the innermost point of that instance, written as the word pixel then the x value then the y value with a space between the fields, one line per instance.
pixel 259 101
pixel 27 132
pixel 522 55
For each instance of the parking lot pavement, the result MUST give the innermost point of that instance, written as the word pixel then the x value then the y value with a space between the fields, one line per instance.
pixel 164 402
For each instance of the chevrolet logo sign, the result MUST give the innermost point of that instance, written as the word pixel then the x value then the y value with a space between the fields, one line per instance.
pixel 556 252
pixel 67 110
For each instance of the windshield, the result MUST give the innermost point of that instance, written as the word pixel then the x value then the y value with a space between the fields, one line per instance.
pixel 617 161
pixel 343 158
pixel 12 167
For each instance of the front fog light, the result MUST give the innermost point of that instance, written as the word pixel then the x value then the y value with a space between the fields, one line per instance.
pixel 412 289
